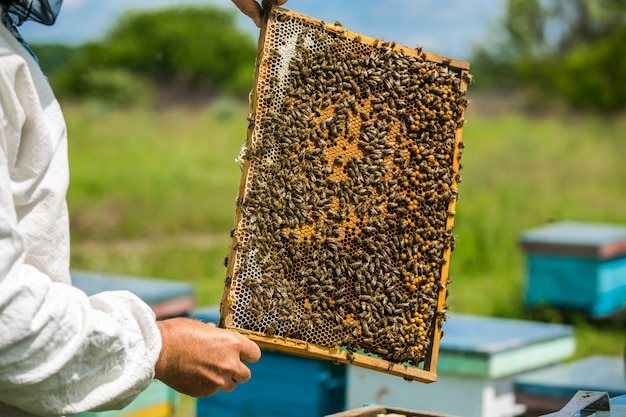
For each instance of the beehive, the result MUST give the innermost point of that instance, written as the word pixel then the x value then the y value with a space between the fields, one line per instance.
pixel 343 226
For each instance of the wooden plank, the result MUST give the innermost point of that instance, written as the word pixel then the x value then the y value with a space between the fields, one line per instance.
pixel 368 411
pixel 299 347
pixel 367 40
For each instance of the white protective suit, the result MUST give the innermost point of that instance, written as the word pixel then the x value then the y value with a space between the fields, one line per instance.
pixel 61 352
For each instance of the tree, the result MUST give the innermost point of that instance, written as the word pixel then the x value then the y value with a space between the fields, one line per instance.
pixel 569 48
pixel 190 46
pixel 200 45
pixel 555 27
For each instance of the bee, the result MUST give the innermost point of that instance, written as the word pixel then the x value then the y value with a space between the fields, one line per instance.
pixel 467 77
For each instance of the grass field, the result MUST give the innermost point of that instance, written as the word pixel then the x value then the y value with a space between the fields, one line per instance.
pixel 153 194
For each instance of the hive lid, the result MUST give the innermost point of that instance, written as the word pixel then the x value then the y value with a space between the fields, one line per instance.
pixel 595 373
pixel 490 347
pixel 589 240
pixel 166 298
pixel 491 335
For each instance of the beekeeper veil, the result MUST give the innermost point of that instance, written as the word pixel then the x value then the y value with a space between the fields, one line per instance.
pixel 41 11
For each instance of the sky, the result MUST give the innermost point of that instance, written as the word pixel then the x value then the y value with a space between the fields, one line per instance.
pixel 445 27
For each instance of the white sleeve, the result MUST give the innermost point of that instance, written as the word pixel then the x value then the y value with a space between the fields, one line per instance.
pixel 61 352
pixel 64 353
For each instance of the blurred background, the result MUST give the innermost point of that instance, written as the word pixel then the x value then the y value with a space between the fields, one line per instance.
pixel 156 98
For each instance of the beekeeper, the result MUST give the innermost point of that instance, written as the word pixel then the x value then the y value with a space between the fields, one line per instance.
pixel 62 352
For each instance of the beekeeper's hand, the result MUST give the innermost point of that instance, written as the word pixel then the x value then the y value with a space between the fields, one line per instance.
pixel 198 359
pixel 252 9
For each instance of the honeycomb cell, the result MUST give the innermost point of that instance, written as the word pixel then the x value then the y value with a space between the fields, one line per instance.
pixel 343 229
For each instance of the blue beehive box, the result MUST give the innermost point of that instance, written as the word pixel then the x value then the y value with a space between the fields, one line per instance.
pixel 550 389
pixel 281 385
pixel 577 266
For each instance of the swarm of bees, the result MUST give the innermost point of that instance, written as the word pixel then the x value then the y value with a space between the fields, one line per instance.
pixel 346 207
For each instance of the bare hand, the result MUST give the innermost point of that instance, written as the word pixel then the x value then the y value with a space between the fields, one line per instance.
pixel 252 9
pixel 198 359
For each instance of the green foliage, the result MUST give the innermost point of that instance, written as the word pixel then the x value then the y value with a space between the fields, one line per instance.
pixel 113 86
pixel 199 45
pixel 524 24
pixel 542 28
pixel 196 47
pixel 593 75
pixel 490 72
pixel 560 49
pixel 54 57
pixel 519 173
pixel 136 174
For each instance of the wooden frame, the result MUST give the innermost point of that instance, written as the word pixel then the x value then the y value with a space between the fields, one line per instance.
pixel 426 370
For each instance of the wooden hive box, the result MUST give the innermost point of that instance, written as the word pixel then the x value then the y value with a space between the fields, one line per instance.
pixel 343 226
pixel 576 266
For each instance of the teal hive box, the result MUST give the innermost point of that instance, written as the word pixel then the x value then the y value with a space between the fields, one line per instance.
pixel 281 385
pixel 576 266
pixel 550 389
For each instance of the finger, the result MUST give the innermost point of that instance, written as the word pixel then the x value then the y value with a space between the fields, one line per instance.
pixel 250 352
pixel 242 375
pixel 250 8
pixel 229 385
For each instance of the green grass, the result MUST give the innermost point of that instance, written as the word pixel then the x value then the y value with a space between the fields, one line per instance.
pixel 137 173
pixel 519 173
pixel 153 194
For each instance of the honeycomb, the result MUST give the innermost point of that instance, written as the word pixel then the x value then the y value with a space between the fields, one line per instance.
pixel 344 219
